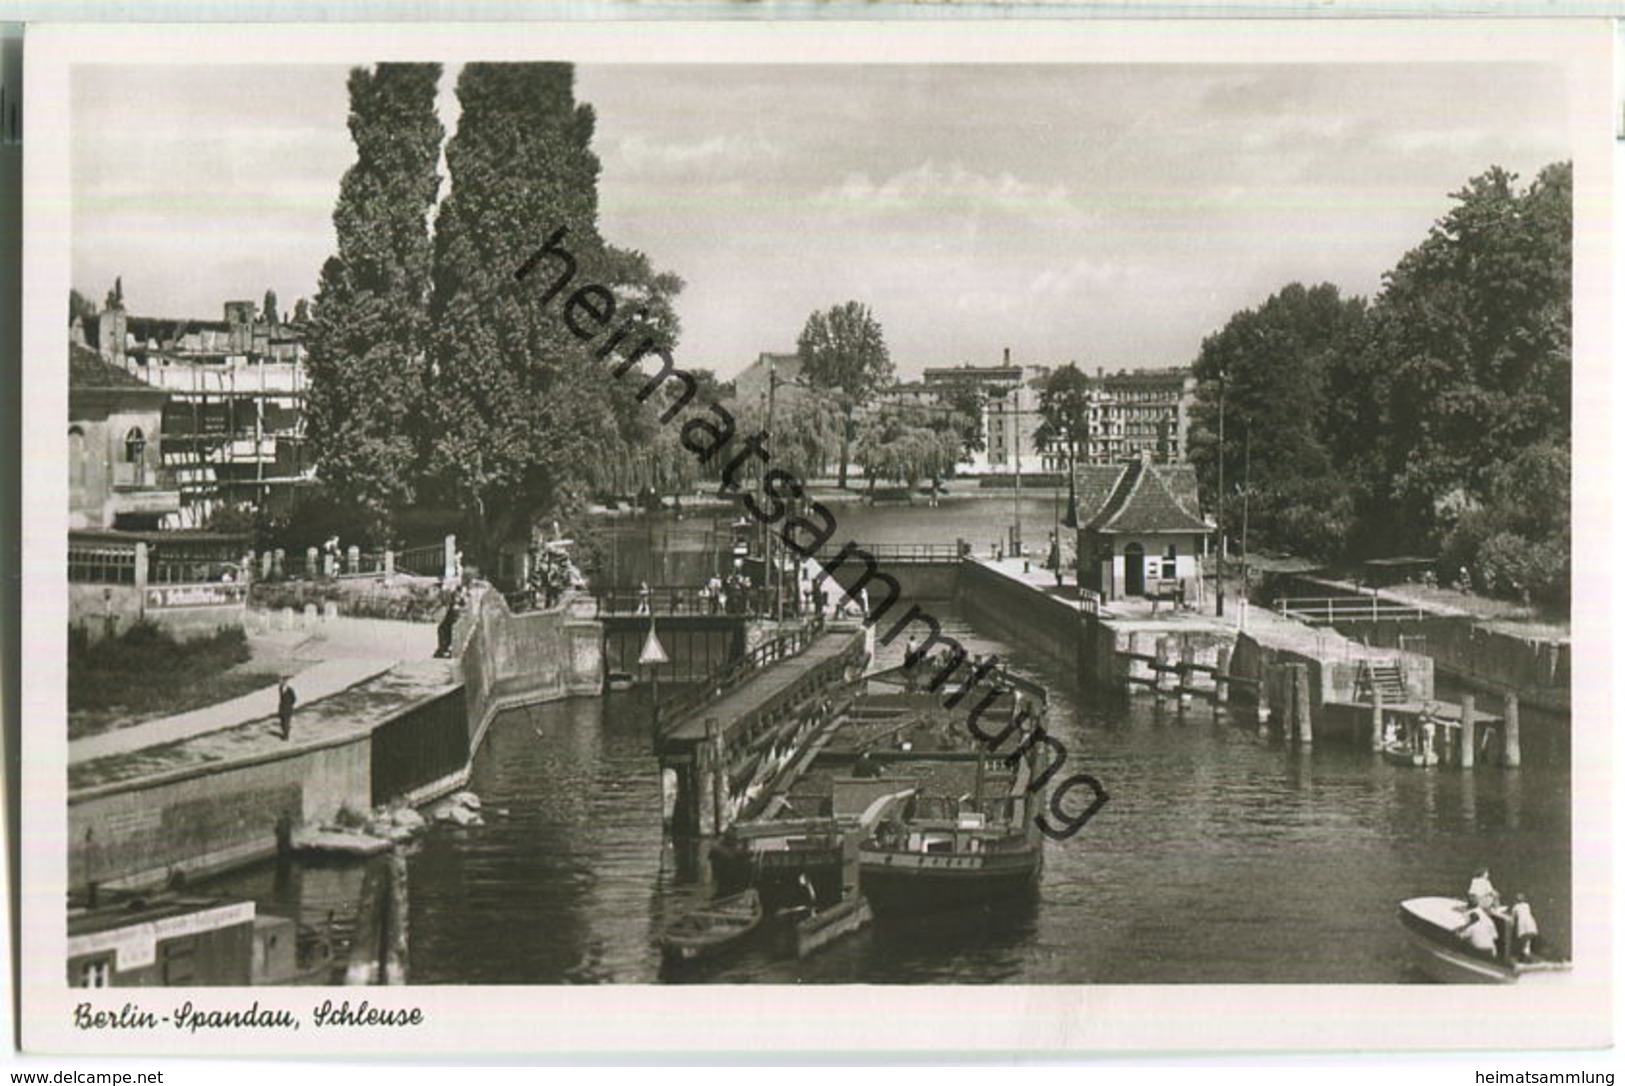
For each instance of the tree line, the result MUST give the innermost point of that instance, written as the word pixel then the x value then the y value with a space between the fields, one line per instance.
pixel 1432 420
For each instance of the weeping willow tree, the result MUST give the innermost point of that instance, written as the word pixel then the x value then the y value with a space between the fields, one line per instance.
pixel 905 445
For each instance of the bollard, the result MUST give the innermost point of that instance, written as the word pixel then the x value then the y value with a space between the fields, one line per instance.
pixel 312 564
pixel 310 615
pixel 1376 720
pixel 1221 676
pixel 1305 713
pixel 1512 752
pixel 279 563
pixel 1469 733
pixel 389 563
pixel 267 567
pixel 352 559
pixel 330 610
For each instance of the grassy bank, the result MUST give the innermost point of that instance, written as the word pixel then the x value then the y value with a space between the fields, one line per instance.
pixel 146 673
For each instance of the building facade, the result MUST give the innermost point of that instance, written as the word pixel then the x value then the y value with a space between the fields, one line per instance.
pixel 1010 416
pixel 233 418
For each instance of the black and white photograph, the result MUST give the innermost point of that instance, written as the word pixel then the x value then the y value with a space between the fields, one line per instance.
pixel 1092 509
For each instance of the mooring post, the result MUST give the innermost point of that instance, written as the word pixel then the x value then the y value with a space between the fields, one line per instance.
pixel 1264 679
pixel 1512 752
pixel 1164 654
pixel 1221 676
pixel 1469 732
pixel 1306 712
pixel 396 935
pixel 1187 656
pixel 1376 719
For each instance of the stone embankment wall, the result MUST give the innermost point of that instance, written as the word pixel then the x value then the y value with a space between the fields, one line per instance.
pixel 211 817
pixel 221 814
pixel 1025 614
pixel 1498 661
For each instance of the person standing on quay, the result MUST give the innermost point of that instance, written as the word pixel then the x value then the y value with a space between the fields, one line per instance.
pixel 285 701
pixel 459 600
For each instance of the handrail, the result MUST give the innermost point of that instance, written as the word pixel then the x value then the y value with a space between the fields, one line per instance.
pixel 734 672
pixel 1329 609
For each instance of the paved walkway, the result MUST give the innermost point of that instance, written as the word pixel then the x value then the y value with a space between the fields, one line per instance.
pixel 320 680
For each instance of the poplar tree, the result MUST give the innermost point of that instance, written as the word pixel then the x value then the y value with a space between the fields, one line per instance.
pixel 369 323
pixel 520 408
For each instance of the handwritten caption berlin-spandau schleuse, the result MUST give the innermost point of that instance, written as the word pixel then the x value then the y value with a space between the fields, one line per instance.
pixel 190 1018
pixel 589 311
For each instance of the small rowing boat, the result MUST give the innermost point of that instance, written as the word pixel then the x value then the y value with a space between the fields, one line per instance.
pixel 1432 923
pixel 707 932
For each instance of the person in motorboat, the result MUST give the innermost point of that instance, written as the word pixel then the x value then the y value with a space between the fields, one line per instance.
pixel 1524 929
pixel 1479 931
pixel 1481 893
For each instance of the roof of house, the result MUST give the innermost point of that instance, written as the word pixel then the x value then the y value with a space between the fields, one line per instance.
pixel 1139 497
pixel 89 370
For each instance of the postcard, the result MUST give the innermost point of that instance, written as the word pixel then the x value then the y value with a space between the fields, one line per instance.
pixel 1048 538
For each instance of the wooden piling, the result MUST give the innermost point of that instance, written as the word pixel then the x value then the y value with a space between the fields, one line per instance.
pixel 1376 720
pixel 1512 751
pixel 1469 732
pixel 1264 679
pixel 1187 658
pixel 1159 673
pixel 396 939
pixel 1306 713
pixel 1221 676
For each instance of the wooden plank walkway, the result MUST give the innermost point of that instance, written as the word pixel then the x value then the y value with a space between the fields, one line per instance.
pixel 762 686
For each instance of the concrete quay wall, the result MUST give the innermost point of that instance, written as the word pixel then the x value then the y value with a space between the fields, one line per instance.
pixel 1026 614
pixel 219 814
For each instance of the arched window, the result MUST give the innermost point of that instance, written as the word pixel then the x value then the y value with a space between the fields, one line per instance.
pixel 76 460
pixel 135 446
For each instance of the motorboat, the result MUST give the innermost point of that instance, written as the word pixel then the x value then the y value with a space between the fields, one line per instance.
pixel 1431 926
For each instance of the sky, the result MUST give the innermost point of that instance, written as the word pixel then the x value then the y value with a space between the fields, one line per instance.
pixel 1110 215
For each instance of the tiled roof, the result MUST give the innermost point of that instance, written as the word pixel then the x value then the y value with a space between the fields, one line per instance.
pixel 1143 497
pixel 87 370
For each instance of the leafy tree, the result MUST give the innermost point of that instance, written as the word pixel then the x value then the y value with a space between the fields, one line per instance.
pixel 368 333
pixel 518 403
pixel 1474 329
pixel 268 311
pixel 80 307
pixel 966 402
pixel 902 443
pixel 1268 369
pixel 1063 406
pixel 301 311
pixel 843 352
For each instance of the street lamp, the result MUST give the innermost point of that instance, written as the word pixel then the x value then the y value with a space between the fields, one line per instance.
pixel 773 383
pixel 1219 560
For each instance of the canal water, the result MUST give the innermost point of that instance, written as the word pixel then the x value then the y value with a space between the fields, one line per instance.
pixel 1219 858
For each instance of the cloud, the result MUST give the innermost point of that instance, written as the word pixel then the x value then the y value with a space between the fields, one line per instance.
pixel 639 152
pixel 947 188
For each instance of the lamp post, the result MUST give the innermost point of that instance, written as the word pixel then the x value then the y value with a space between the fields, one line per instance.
pixel 1219 559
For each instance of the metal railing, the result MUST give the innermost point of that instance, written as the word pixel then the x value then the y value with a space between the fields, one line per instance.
pixel 909 552
pixel 668 599
pixel 731 674
pixel 1325 610
pixel 427 561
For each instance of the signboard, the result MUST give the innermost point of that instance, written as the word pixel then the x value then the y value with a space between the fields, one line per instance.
pixel 653 651
pixel 211 594
pixel 136 945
